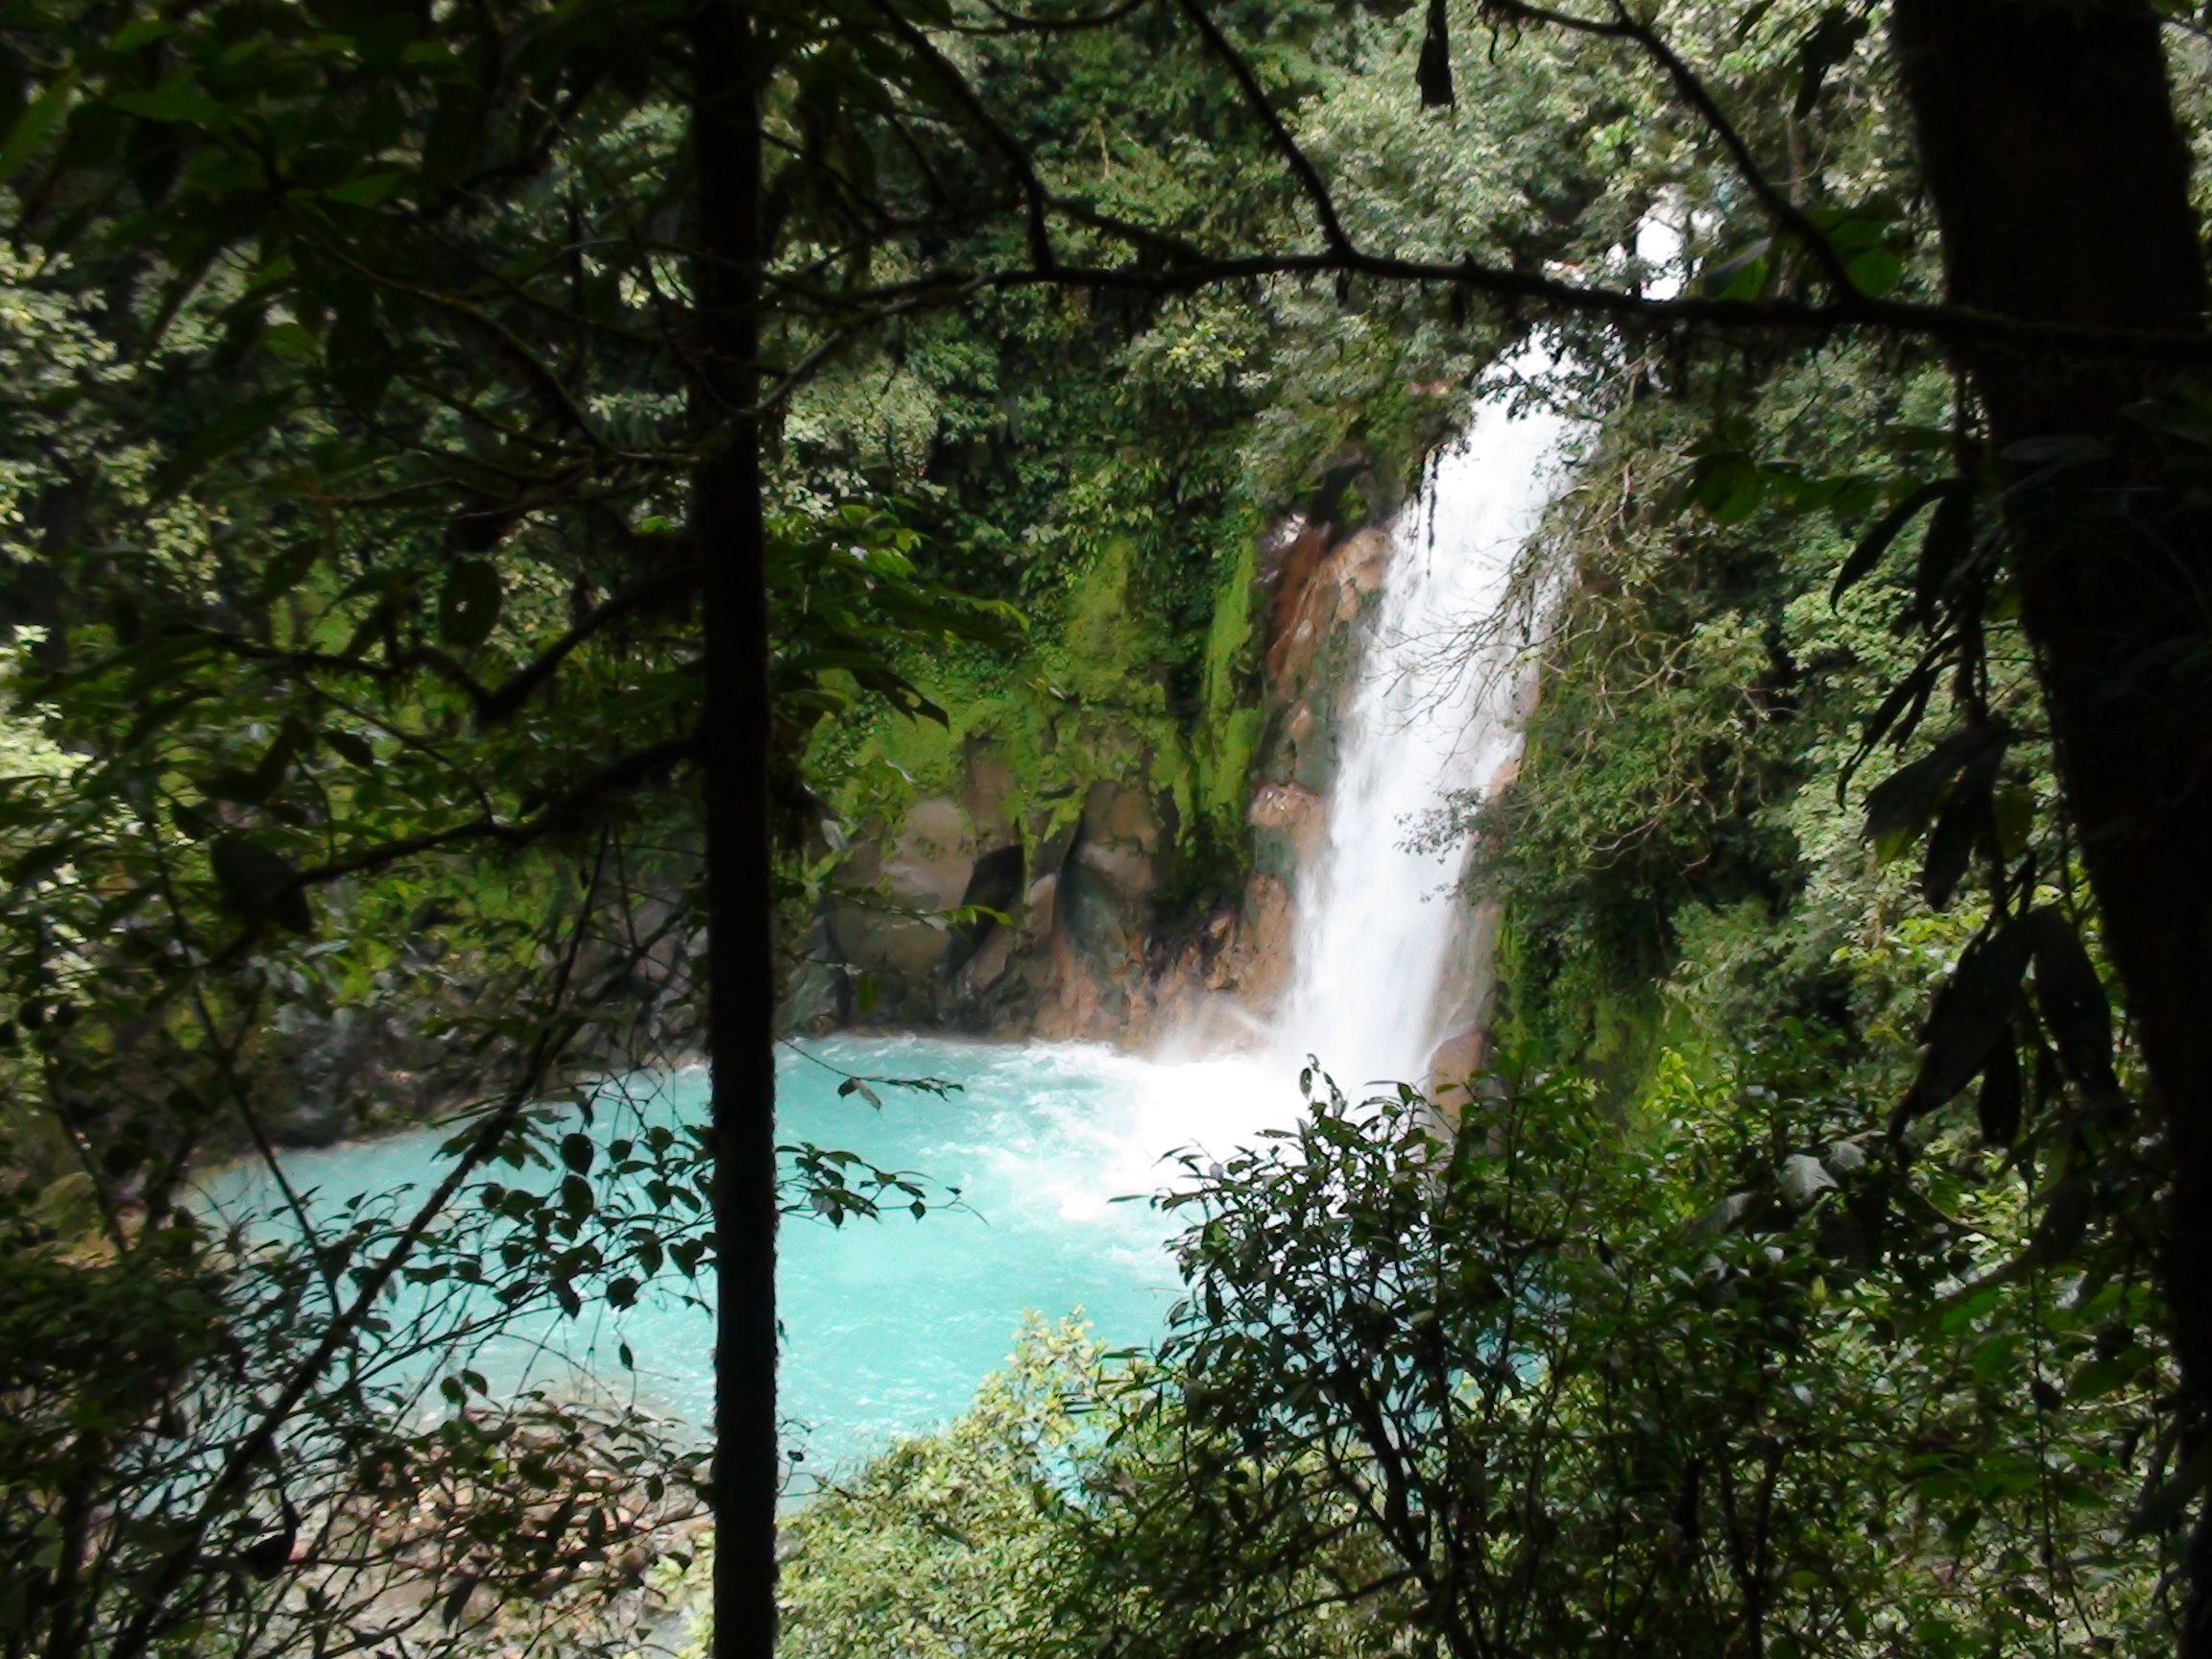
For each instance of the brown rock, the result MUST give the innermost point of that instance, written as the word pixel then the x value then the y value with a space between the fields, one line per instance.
pixel 927 870
pixel 928 864
pixel 1453 1067
pixel 1264 942
pixel 1038 909
pixel 987 967
pixel 987 782
pixel 1289 558
pixel 1293 812
pixel 1121 813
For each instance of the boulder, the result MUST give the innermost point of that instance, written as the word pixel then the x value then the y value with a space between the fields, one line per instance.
pixel 1452 1065
pixel 1288 823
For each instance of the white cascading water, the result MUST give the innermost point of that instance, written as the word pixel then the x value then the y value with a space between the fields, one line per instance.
pixel 1428 715
pixel 1434 706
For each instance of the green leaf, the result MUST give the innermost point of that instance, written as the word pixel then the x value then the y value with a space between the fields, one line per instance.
pixel 1901 710
pixel 1875 271
pixel 1997 1108
pixel 257 882
pixel 1945 551
pixel 1899 807
pixel 2065 1218
pixel 288 342
pixel 42 861
pixel 1829 44
pixel 142 33
pixel 1729 486
pixel 358 360
pixel 1887 529
pixel 1993 1358
pixel 456 1599
pixel 2071 999
pixel 217 438
pixel 2012 814
pixel 294 737
pixel 1855 495
pixel 367 191
pixel 577 1152
pixel 1969 1018
pixel 234 785
pixel 468 604
pixel 37 123
pixel 1966 817
pixel 176 99
pixel 1909 439
pixel 352 746
pixel 2102 1377
pixel 286 569
pixel 1742 275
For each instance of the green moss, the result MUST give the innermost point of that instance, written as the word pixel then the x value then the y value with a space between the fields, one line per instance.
pixel 1090 698
pixel 1232 686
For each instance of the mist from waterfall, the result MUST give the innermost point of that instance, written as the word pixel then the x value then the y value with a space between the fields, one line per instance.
pixel 1433 708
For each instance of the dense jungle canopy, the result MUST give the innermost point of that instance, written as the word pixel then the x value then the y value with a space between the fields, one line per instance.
pixel 500 499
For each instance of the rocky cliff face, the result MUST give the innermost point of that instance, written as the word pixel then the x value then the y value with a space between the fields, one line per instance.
pixel 1005 907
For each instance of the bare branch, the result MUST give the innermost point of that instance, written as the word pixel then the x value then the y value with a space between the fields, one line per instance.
pixel 1011 22
pixel 630 772
pixel 1034 195
pixel 497 703
pixel 1693 91
pixel 1301 165
pixel 1949 325
pixel 231 1482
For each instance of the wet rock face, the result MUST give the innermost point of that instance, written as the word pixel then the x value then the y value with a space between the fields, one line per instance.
pixel 969 915
pixel 986 910
pixel 1288 823
pixel 1324 592
pixel 994 892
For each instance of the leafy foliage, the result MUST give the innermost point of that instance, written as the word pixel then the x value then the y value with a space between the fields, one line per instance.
pixel 1522 1383
pixel 355 387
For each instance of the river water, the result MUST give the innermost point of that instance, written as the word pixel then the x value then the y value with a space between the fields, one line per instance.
pixel 889 1324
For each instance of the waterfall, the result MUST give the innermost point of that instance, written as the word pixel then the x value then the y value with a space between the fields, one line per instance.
pixel 1434 707
pixel 1426 713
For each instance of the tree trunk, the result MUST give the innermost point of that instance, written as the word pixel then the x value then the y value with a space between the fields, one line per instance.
pixel 2061 183
pixel 728 539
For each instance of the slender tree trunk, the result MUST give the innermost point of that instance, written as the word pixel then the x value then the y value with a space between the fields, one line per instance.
pixel 728 539
pixel 2061 183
